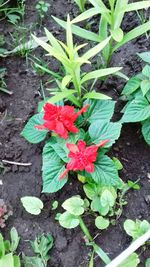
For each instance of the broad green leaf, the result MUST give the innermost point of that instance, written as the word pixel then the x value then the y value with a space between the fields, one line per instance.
pixel 107 198
pixel 79 31
pixel 7 260
pixel 100 110
pixel 17 262
pixel 145 56
pixel 96 49
pixel 136 6
pixel 52 168
pixel 30 133
pixel 137 110
pixel 137 228
pixel 146 71
pixel 131 86
pixel 99 131
pixel 90 190
pixel 33 205
pixel 68 220
pixel 145 86
pixel 133 260
pixel 105 172
pixel 99 73
pixel 95 95
pixel 117 34
pixel 60 95
pixel 146 131
pixel 14 239
pixel 96 206
pixel 86 15
pixel 147 263
pixel 74 205
pixel 101 223
pixel 133 34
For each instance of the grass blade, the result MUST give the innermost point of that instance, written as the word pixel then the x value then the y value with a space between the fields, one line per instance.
pixel 137 5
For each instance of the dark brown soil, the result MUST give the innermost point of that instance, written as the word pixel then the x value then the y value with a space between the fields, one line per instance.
pixel 69 249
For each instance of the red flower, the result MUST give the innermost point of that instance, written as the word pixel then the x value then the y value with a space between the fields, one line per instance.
pixel 60 119
pixel 82 157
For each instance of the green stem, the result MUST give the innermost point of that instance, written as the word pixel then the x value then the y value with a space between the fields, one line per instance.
pixel 96 248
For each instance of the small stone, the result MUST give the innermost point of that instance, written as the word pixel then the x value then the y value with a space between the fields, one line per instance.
pixel 147 199
pixel 148 175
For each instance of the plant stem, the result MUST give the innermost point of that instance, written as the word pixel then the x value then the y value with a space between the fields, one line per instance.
pixel 96 248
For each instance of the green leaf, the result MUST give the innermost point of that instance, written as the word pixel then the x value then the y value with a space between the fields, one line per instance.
pixel 30 133
pixel 86 15
pixel 33 205
pixel 60 95
pixel 96 49
pixel 105 172
pixel 74 205
pixel 7 260
pixel 33 261
pixel 133 34
pixel 146 71
pixel 145 56
pixel 133 260
pixel 79 31
pixel 2 246
pixel 145 86
pixel 95 95
pixel 99 110
pixel 52 168
pixel 14 239
pixel 68 220
pixel 136 6
pixel 96 206
pixel 148 262
pixel 101 223
pixel 117 163
pixel 17 262
pixel 117 34
pixel 146 131
pixel 137 228
pixel 137 110
pixel 90 190
pixel 99 131
pixel 107 198
pixel 99 73
pixel 131 86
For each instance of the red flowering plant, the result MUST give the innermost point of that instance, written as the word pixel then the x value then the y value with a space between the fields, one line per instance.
pixel 76 142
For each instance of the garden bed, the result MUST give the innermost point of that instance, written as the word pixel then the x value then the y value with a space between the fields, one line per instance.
pixel 15 110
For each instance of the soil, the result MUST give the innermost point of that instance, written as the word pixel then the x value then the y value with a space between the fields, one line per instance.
pixel 69 249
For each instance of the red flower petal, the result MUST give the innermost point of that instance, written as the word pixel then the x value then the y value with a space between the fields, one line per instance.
pixel 81 145
pixel 89 167
pixel 60 130
pixel 72 147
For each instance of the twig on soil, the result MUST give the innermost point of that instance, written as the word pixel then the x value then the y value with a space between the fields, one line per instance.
pixel 132 248
pixel 17 163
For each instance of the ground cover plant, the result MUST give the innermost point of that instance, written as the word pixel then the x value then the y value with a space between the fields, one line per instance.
pixel 137 91
pixel 94 166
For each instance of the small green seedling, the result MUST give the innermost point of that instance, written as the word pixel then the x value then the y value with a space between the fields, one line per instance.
pixel 136 228
pixel 42 8
pixel 32 205
pixel 41 247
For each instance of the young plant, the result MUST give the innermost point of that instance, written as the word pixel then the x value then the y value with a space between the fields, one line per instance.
pixel 137 91
pixel 111 17
pixel 74 85
pixel 3 86
pixel 70 148
pixel 42 8
pixel 8 250
pixel 13 14
pixel 72 217
pixel 41 247
pixel 81 4
pixel 137 228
